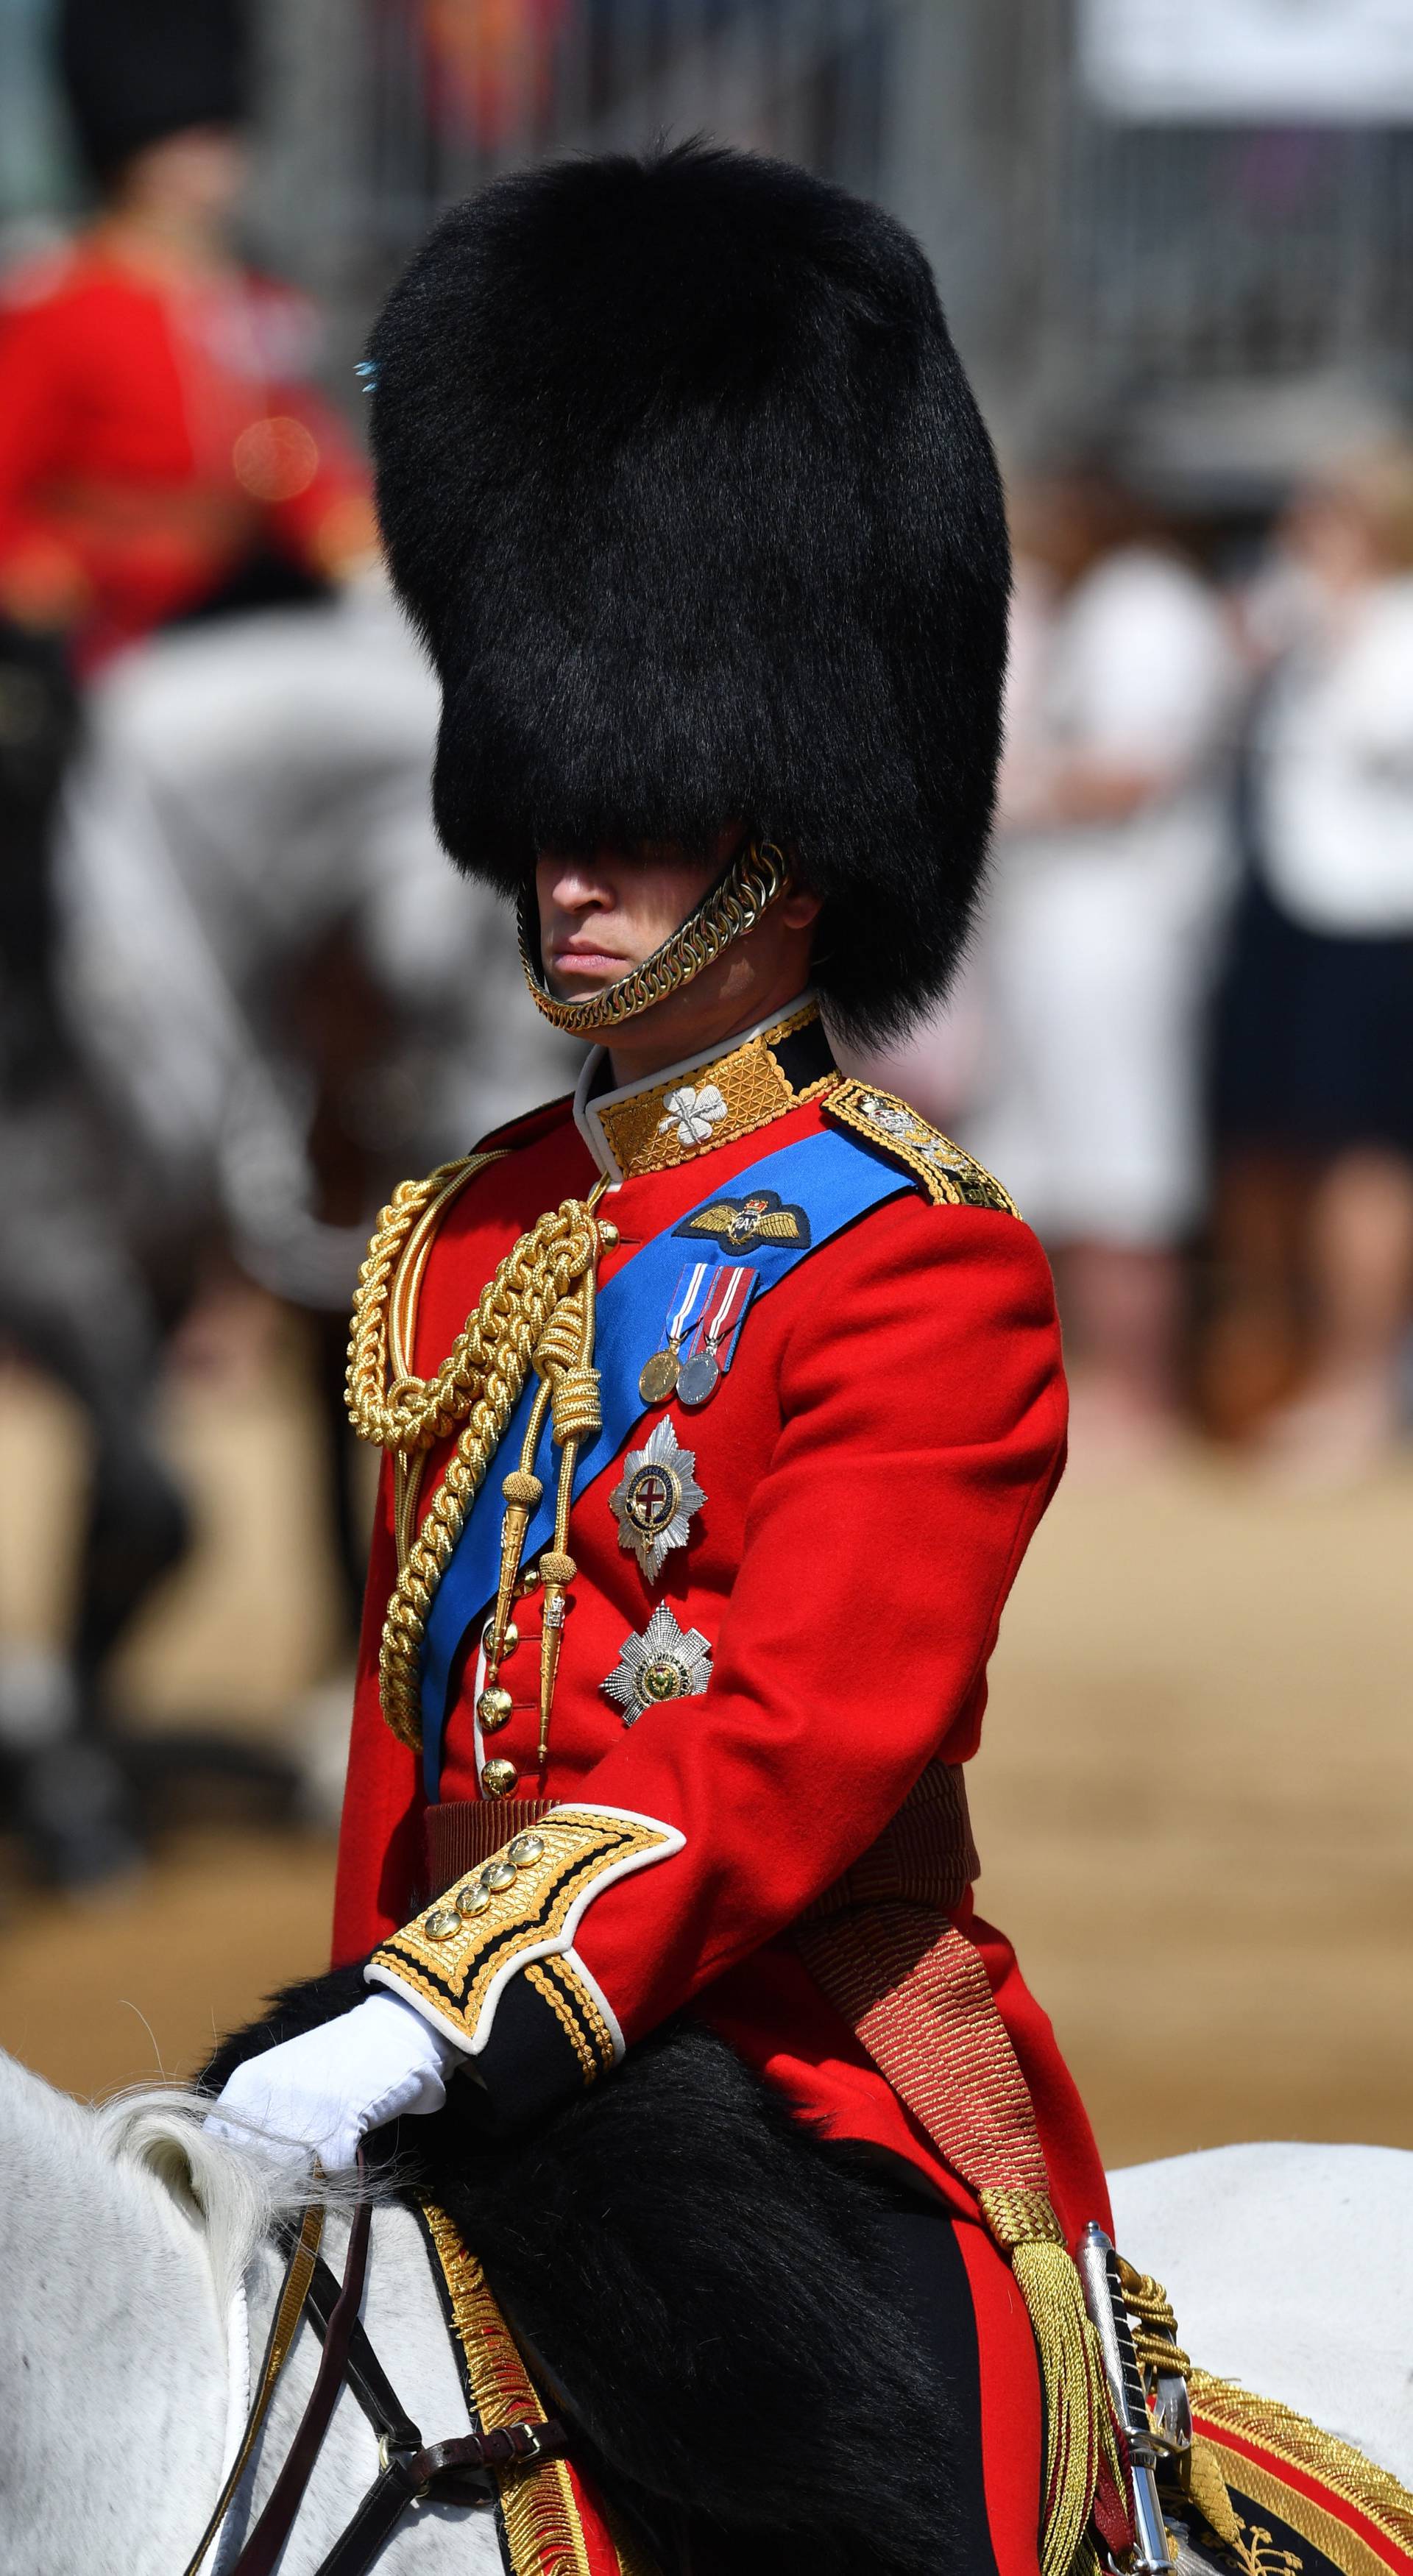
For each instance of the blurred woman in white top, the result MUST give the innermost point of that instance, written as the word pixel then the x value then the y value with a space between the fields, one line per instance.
pixel 1107 884
pixel 1314 1052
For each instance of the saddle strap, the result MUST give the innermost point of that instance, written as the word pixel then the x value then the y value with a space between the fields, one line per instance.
pixel 272 2527
pixel 455 2472
pixel 289 2308
pixel 363 2371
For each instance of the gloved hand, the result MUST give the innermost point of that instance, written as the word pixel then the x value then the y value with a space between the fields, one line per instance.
pixel 321 2093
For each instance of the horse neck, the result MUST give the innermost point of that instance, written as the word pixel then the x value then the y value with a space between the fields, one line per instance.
pixel 113 2364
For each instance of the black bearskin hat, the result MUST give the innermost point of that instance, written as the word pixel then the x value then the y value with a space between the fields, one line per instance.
pixel 682 481
pixel 136 71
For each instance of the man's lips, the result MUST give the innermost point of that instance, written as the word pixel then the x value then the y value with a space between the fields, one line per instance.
pixel 581 961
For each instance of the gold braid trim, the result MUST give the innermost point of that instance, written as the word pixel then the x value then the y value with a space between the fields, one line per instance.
pixel 1294 2442
pixel 543 2528
pixel 478 1383
pixel 548 1991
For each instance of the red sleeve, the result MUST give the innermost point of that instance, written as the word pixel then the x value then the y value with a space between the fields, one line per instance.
pixel 924 1427
pixel 35 399
pixel 380 1832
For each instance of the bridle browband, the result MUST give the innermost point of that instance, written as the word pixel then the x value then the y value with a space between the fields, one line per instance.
pixel 755 879
pixel 458 2471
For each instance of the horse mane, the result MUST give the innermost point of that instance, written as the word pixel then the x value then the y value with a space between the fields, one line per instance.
pixel 235 2194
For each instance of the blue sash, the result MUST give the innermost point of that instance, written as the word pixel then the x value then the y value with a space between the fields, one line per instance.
pixel 835 1178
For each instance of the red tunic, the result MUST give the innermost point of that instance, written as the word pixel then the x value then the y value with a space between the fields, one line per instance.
pixel 150 436
pixel 874 1464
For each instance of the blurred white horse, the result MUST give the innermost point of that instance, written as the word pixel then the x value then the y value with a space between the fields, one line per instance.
pixel 140 2279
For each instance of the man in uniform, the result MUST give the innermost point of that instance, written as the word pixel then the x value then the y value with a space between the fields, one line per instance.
pixel 719 1401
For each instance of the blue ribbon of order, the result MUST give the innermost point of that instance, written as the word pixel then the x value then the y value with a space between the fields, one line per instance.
pixel 835 1177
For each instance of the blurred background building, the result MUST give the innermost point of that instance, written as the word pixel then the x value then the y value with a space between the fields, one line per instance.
pixel 242 994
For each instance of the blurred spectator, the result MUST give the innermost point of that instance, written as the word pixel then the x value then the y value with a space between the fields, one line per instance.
pixel 247 834
pixel 259 994
pixel 1106 886
pixel 158 441
pixel 73 1297
pixel 1314 1052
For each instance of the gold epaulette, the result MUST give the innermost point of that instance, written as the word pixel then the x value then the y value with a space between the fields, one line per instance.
pixel 951 1177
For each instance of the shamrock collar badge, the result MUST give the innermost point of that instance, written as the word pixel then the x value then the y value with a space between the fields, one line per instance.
pixel 656 1499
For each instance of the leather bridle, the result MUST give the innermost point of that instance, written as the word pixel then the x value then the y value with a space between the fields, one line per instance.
pixel 458 2471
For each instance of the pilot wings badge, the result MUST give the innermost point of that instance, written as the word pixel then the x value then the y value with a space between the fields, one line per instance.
pixel 743 1224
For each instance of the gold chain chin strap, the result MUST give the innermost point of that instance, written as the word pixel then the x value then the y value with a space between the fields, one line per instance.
pixel 756 878
pixel 478 1384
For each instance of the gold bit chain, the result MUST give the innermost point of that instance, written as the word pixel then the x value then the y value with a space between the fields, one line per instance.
pixel 479 1384
pixel 755 879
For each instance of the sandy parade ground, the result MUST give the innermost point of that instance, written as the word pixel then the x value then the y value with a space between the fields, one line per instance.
pixel 1193 1803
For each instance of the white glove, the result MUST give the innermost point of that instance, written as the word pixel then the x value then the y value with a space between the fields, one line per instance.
pixel 320 2093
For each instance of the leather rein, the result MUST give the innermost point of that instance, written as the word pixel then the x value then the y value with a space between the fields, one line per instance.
pixel 459 2471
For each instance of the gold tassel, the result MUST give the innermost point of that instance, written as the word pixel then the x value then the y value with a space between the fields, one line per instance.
pixel 1204 2484
pixel 1071 2368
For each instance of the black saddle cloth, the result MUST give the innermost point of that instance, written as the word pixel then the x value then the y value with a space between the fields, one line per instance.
pixel 763 2341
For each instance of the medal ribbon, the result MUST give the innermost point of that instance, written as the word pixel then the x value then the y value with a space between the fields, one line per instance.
pixel 725 1312
pixel 688 1298
pixel 838 1178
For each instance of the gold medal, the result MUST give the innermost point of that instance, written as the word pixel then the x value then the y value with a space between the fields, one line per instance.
pixel 658 1379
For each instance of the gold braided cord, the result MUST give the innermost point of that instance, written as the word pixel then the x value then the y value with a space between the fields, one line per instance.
pixel 1155 2340
pixel 386 1404
pixel 1292 2440
pixel 497 1348
pixel 755 879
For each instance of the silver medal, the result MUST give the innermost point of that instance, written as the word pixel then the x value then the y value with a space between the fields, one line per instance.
pixel 656 1498
pixel 698 1379
pixel 661 1664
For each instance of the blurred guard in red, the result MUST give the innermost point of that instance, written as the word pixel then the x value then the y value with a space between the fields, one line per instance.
pixel 720 1404
pixel 156 428
pixel 160 456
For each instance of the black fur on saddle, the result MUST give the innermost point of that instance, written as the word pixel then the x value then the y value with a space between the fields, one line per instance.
pixel 708 2288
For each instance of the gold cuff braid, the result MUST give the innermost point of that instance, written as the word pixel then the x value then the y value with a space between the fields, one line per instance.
pixel 755 879
pixel 522 1908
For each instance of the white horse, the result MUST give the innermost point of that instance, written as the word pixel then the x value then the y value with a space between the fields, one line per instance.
pixel 139 2282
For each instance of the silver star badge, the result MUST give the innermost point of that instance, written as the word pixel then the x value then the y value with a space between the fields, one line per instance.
pixel 653 1505
pixel 661 1664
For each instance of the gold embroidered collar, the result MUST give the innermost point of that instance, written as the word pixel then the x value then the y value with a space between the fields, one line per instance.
pixel 709 1100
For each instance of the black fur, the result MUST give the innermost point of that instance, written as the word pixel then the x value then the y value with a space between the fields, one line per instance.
pixel 709 2287
pixel 682 480
pixel 138 70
